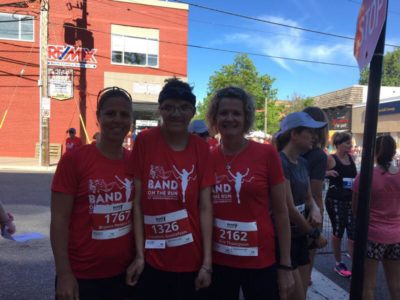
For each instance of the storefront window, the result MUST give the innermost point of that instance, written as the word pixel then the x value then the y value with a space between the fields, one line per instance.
pixel 16 27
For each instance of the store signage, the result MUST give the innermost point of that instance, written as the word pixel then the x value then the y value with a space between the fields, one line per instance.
pixel 339 118
pixel 61 83
pixel 371 18
pixel 146 123
pixel 70 56
pixel 389 108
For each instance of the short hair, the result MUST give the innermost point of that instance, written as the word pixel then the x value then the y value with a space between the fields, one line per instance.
pixel 109 92
pixel 319 115
pixel 234 93
pixel 174 88
pixel 340 138
pixel 385 150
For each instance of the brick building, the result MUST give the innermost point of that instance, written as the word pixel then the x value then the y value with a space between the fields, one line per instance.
pixel 133 44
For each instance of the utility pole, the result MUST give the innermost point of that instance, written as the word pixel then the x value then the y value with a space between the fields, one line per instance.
pixel 265 116
pixel 44 108
pixel 82 24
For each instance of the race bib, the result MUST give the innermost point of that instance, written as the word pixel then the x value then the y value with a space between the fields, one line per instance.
pixel 111 221
pixel 301 208
pixel 235 238
pixel 347 182
pixel 168 230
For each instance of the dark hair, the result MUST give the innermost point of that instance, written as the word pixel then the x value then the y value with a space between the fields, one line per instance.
pixel 174 88
pixel 283 139
pixel 319 115
pixel 340 138
pixel 234 93
pixel 109 92
pixel 385 150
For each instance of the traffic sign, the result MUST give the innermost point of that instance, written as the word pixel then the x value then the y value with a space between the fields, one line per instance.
pixel 371 18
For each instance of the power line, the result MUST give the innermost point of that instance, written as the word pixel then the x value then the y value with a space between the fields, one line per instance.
pixel 231 51
pixel 274 23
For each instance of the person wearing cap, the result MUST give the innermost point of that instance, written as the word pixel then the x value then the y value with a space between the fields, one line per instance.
pixel 248 194
pixel 199 127
pixel 295 138
pixel 72 142
pixel 173 177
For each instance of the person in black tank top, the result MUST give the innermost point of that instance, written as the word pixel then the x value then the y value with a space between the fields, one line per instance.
pixel 341 173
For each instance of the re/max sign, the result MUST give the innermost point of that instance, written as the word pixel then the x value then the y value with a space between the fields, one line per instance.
pixel 71 56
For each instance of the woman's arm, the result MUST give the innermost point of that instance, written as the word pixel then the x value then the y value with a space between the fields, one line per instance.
pixel 61 209
pixel 294 215
pixel 331 165
pixel 354 203
pixel 281 218
pixel 317 187
pixel 315 216
pixel 206 222
pixel 136 267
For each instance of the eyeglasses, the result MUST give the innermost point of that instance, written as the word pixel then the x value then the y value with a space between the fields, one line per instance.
pixel 183 109
pixel 112 90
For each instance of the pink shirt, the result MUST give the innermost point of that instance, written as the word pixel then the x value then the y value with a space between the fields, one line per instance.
pixel 384 220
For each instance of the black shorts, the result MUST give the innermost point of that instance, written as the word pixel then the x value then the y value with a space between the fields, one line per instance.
pixel 380 251
pixel 299 251
pixel 105 288
pixel 256 284
pixel 157 284
pixel 341 216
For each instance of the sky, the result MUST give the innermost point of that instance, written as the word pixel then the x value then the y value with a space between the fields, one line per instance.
pixel 212 29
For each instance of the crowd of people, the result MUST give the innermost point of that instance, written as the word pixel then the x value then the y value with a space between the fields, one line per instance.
pixel 187 216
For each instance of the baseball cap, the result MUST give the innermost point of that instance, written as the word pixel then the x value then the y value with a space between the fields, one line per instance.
pixel 298 119
pixel 197 126
pixel 71 130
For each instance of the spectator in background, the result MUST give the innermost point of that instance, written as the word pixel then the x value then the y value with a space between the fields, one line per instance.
pixel 384 221
pixel 341 173
pixel 72 142
pixel 199 127
pixel 317 164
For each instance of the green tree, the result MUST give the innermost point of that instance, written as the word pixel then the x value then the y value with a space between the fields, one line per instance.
pixel 298 103
pixel 243 73
pixel 391 70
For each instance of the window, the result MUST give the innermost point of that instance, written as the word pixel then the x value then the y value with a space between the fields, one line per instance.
pixel 16 27
pixel 134 46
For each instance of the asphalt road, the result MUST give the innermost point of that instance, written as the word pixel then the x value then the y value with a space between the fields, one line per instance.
pixel 27 269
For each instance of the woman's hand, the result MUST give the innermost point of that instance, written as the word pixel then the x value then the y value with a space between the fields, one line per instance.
pixel 67 287
pixel 315 217
pixel 134 270
pixel 321 241
pixel 332 173
pixel 285 283
pixel 203 278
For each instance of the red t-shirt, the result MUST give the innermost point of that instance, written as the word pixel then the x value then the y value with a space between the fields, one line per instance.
pixel 243 232
pixel 100 241
pixel 72 144
pixel 171 185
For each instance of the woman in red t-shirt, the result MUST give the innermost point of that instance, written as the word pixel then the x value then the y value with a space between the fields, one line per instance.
pixel 249 189
pixel 172 206
pixel 91 205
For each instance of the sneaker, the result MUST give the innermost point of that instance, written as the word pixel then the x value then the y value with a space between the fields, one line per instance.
pixel 342 270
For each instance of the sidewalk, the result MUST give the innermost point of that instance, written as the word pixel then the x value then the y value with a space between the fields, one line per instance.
pixel 25 164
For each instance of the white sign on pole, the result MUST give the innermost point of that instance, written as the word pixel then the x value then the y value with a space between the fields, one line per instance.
pixel 61 83
pixel 371 17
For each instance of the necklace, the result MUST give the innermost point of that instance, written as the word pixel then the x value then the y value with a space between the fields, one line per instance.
pixel 228 164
